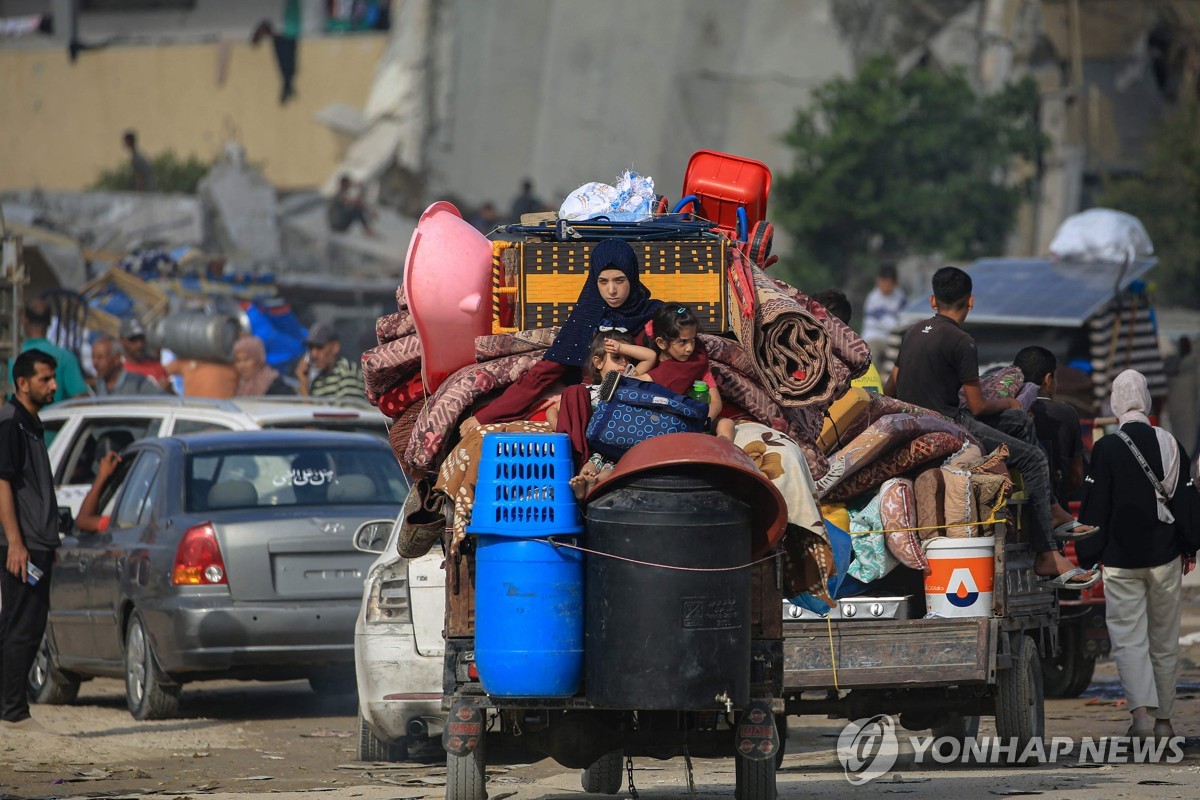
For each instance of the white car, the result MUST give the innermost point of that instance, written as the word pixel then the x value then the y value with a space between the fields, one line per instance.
pixel 79 432
pixel 398 646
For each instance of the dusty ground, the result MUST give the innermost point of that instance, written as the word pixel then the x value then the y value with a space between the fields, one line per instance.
pixel 241 739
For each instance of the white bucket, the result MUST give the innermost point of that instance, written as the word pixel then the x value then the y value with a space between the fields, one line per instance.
pixel 961 576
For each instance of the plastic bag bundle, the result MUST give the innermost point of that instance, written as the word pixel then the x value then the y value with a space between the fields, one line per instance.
pixel 630 200
pixel 1101 234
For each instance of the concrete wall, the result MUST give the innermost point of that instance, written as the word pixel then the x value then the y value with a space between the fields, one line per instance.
pixel 571 91
pixel 61 123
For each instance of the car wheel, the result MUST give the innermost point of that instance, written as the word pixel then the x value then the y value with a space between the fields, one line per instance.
pixel 148 693
pixel 372 748
pixel 333 683
pixel 47 683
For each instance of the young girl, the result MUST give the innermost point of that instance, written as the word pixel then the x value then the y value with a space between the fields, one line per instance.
pixel 611 351
pixel 683 361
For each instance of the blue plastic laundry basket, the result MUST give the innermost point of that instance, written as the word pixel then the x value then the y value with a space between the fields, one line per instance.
pixel 523 486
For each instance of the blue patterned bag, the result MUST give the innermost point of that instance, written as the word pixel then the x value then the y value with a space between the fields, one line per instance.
pixel 639 410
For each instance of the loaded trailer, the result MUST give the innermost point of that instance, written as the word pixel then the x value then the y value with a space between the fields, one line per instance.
pixel 936 673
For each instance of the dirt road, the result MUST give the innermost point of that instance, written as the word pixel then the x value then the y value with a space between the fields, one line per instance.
pixel 243 739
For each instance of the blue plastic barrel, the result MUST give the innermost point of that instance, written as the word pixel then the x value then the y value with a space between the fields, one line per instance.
pixel 528 593
pixel 528 617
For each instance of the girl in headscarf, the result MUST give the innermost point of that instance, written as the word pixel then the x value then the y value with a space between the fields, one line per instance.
pixel 612 298
pixel 255 378
pixel 1132 477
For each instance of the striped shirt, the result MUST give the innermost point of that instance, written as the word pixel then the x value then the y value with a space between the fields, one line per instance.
pixel 342 380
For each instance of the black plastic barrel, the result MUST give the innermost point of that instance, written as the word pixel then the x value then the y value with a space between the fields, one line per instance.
pixel 668 638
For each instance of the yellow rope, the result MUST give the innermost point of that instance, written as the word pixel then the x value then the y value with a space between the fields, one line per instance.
pixel 832 657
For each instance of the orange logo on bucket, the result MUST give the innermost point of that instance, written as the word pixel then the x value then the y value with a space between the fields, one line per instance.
pixel 960 580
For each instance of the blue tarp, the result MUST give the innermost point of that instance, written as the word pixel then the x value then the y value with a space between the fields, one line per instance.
pixel 274 322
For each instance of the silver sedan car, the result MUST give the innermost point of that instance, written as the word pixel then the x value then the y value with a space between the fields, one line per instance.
pixel 224 556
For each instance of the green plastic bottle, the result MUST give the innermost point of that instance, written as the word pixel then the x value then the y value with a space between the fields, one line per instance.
pixel 699 391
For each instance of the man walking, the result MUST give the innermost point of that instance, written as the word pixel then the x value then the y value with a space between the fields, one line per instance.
pixel 29 517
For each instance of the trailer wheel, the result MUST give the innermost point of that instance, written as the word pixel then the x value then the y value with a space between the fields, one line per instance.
pixel 466 776
pixel 1020 702
pixel 1070 672
pixel 754 780
pixel 604 775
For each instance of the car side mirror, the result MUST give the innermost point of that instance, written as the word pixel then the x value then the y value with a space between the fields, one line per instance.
pixel 66 520
pixel 372 537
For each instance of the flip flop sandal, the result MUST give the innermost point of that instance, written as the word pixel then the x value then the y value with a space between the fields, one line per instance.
pixel 1063 581
pixel 1066 531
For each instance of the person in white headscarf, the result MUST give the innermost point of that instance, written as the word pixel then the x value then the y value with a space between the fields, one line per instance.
pixel 1130 482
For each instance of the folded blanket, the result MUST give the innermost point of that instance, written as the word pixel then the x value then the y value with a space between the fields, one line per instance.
pixel 395 401
pixel 791 350
pixel 884 435
pixel 402 428
pixel 441 415
pixel 881 406
pixel 871 557
pixel 389 364
pixel 924 448
pixel 390 327
pixel 730 353
pixel 510 344
pixel 804 425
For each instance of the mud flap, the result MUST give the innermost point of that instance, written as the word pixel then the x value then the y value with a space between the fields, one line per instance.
pixel 464 727
pixel 757 737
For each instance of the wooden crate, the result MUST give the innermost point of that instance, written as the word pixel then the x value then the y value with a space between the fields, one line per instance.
pixel 149 302
pixel 543 280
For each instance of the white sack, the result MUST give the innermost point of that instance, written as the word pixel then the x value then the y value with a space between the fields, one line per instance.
pixel 1101 234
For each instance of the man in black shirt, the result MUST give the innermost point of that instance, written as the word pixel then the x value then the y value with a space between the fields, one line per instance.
pixel 937 358
pixel 1056 424
pixel 29 517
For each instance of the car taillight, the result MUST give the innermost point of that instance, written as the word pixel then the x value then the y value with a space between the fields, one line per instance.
pixel 198 559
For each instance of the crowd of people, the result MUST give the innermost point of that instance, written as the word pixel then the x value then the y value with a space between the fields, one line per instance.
pixel 126 366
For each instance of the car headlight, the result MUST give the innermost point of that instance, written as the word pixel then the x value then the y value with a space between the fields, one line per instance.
pixel 388 597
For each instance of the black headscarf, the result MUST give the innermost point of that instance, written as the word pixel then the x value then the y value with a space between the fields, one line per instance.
pixel 574 341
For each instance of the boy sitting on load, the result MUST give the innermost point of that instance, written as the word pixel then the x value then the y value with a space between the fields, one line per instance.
pixel 937 358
